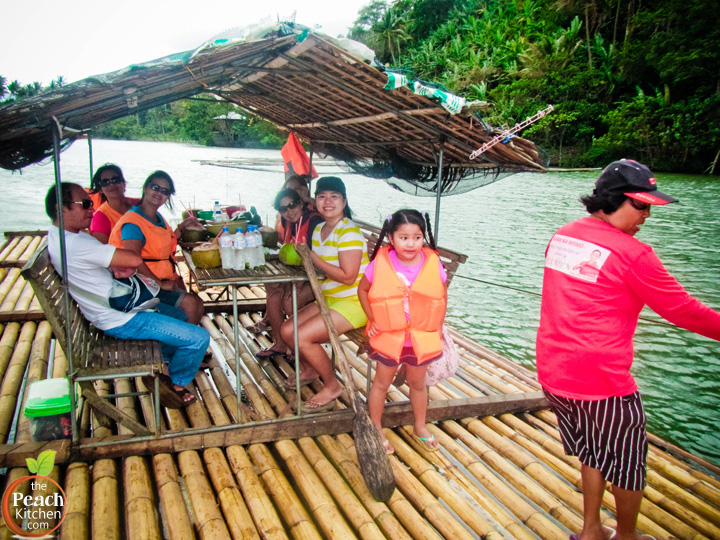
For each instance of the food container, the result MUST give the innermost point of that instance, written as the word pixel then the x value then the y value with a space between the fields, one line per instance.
pixel 205 215
pixel 215 228
pixel 194 235
pixel 48 409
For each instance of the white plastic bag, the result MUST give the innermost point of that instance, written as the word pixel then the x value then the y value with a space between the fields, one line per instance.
pixel 445 366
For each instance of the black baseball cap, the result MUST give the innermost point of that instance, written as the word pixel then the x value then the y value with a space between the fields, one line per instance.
pixel 330 183
pixel 634 180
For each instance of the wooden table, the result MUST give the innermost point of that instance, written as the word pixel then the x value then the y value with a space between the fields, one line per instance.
pixel 273 272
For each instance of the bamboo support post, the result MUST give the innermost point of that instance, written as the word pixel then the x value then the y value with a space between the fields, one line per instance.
pixel 7 345
pixel 105 507
pixel 140 520
pixel 76 525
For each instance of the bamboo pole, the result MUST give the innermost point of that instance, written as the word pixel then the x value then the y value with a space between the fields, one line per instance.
pixel 682 475
pixel 19 248
pixel 14 377
pixel 140 520
pixel 354 511
pixel 105 511
pixel 13 294
pixel 313 491
pixel 214 406
pixel 75 526
pixel 391 522
pixel 261 509
pixel 7 345
pixel 175 518
pixel 37 368
pixel 8 247
pixel 59 362
pixel 31 248
pixel 209 520
pixel 45 489
pixel 225 390
pixel 237 515
pixel 514 503
pixel 24 489
pixel 295 517
pixel 651 520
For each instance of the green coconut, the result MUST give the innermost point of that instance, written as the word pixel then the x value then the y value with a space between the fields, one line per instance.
pixel 270 237
pixel 206 255
pixel 288 255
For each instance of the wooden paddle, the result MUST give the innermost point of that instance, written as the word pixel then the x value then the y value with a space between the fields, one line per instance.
pixel 374 462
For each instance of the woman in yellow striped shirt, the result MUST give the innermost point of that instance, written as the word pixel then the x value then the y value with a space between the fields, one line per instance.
pixel 339 250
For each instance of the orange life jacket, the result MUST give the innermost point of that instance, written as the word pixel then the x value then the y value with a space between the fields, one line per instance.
pixel 160 244
pixel 112 214
pixel 427 304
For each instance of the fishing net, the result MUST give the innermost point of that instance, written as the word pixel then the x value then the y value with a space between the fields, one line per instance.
pixel 415 179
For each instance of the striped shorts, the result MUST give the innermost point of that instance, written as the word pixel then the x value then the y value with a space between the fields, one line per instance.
pixel 608 435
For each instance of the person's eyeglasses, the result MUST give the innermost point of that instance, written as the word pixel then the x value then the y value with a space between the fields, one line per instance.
pixel 290 206
pixel 164 191
pixel 637 205
pixel 105 182
pixel 85 203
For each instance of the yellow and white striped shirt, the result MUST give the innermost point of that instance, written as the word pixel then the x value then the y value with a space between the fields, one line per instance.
pixel 346 236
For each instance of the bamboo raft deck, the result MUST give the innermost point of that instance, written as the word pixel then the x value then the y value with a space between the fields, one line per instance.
pixel 497 475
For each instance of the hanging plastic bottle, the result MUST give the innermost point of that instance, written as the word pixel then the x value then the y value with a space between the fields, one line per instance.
pixel 251 251
pixel 217 212
pixel 240 248
pixel 226 249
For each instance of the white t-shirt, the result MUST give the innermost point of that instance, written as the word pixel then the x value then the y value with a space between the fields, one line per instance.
pixel 87 264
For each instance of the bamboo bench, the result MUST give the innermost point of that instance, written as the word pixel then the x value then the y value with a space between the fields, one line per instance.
pixel 451 261
pixel 95 356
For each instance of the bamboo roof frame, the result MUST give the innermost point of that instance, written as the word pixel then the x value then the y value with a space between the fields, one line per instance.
pixel 311 86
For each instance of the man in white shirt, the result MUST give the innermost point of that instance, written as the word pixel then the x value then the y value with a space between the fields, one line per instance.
pixel 90 266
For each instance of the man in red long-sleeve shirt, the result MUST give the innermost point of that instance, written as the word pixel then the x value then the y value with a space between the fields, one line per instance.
pixel 584 343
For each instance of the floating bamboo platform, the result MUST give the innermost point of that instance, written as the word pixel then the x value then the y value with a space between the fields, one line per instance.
pixel 501 472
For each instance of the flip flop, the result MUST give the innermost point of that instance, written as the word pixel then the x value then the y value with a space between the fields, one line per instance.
pixel 168 396
pixel 611 532
pixel 427 442
pixel 329 406
pixel 289 383
pixel 269 353
pixel 258 327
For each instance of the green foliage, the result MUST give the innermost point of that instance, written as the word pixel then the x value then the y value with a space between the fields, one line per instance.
pixel 594 61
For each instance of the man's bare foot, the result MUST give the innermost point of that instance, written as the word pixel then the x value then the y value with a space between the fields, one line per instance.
pixel 323 397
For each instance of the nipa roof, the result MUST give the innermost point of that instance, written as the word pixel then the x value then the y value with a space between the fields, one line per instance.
pixel 306 83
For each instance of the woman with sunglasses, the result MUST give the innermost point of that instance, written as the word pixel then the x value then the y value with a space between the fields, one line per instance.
pixel 146 232
pixel 109 183
pixel 298 225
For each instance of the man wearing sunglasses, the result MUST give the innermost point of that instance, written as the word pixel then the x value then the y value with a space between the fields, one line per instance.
pixel 90 266
pixel 585 339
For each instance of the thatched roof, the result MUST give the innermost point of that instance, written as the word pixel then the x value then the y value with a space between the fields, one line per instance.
pixel 306 83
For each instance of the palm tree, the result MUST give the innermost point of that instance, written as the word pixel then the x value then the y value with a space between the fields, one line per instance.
pixel 388 34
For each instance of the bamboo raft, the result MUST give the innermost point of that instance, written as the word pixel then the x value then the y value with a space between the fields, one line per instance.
pixel 497 476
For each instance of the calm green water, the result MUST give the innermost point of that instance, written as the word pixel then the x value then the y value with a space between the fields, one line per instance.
pixel 503 228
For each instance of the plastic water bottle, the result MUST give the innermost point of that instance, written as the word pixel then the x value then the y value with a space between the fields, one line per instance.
pixel 227 253
pixel 240 248
pixel 217 212
pixel 260 248
pixel 251 251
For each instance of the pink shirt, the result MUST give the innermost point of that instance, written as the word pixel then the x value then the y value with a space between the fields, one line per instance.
pixel 588 319
pixel 410 272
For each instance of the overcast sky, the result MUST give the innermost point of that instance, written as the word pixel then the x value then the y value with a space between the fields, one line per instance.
pixel 42 39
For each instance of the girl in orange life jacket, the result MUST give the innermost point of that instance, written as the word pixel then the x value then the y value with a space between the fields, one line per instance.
pixel 404 296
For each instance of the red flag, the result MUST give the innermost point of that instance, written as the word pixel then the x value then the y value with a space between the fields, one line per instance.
pixel 295 158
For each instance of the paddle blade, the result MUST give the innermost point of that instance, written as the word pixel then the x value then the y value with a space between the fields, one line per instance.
pixel 374 462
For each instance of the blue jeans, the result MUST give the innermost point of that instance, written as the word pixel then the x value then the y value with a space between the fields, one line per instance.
pixel 183 344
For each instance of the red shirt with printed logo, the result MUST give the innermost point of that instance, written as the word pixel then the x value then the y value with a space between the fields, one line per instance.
pixel 588 319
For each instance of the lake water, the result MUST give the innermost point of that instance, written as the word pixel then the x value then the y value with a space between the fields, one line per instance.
pixel 503 228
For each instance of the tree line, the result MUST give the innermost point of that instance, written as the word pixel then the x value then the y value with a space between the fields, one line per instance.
pixel 627 78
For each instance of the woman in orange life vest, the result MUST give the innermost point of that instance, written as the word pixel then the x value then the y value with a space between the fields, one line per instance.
pixel 298 225
pixel 143 230
pixel 108 185
pixel 404 296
